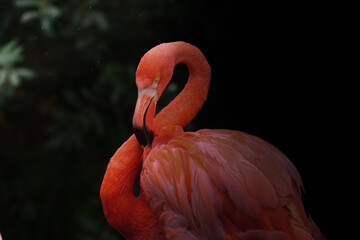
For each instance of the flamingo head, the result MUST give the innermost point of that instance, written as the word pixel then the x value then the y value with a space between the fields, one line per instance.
pixel 152 76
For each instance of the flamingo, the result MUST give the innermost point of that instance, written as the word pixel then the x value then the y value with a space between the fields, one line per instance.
pixel 209 184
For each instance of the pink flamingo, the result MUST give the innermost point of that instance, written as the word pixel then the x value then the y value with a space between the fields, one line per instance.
pixel 209 184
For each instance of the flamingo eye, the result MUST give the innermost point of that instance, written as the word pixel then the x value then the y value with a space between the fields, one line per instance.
pixel 157 78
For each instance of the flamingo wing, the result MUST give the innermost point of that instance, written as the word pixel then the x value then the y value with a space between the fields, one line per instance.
pixel 223 184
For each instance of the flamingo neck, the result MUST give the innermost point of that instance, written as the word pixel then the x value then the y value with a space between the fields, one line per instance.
pixel 128 214
pixel 189 101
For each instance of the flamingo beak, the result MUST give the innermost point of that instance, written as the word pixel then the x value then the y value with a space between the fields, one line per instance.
pixel 143 118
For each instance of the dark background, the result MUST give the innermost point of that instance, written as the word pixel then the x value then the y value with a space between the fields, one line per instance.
pixel 59 124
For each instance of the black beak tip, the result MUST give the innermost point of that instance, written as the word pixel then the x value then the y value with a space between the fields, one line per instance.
pixel 144 137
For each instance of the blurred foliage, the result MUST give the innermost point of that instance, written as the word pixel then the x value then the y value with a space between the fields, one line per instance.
pixel 58 131
pixel 43 11
pixel 10 76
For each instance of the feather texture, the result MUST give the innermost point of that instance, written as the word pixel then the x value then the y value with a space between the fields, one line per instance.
pixel 215 184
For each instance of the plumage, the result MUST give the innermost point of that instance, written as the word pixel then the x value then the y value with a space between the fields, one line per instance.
pixel 194 175
pixel 209 184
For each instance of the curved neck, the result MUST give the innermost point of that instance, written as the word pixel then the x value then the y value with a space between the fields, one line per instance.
pixel 129 215
pixel 189 101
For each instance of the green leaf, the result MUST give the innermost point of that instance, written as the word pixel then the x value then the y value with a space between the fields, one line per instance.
pixel 25 73
pixel 29 15
pixel 46 22
pixel 27 3
pixel 10 54
pixel 3 76
pixel 52 11
pixel 14 79
pixel 8 47
pixel 10 76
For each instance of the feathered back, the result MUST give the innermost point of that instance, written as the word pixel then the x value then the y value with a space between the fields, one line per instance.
pixel 214 184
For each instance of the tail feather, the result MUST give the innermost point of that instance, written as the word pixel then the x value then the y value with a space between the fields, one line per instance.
pixel 306 230
pixel 315 231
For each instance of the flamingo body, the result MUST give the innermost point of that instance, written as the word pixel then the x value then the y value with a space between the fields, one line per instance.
pixel 209 184
pixel 218 184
